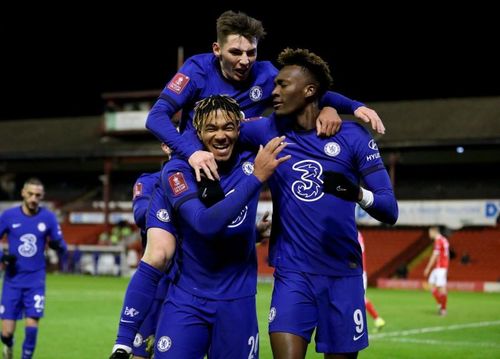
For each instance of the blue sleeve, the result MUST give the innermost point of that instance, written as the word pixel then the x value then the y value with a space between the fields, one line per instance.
pixel 384 207
pixel 160 124
pixel 56 241
pixel 180 93
pixel 159 212
pixel 341 103
pixel 254 132
pixel 3 226
pixel 140 207
pixel 209 221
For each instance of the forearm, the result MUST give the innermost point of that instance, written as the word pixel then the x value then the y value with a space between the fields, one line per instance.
pixel 160 124
pixel 340 102
pixel 210 221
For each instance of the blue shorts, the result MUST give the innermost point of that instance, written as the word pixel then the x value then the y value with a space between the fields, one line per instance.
pixel 334 306
pixel 19 301
pixel 148 326
pixel 191 327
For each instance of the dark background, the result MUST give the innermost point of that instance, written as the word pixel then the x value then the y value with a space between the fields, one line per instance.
pixel 58 62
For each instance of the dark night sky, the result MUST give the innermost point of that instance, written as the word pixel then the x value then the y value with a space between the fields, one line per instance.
pixel 59 65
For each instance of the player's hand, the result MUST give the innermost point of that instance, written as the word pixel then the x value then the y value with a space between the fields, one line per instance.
pixel 204 161
pixel 370 116
pixel 266 160
pixel 340 186
pixel 328 122
pixel 9 260
pixel 209 192
pixel 58 247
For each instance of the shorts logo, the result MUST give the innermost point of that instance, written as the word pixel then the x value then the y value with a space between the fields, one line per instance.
pixel 138 340
pixel 272 314
pixel 247 168
pixel 163 215
pixel 164 344
pixel 177 183
pixel 178 83
pixel 255 93
pixel 137 190
pixel 332 149
pixel 42 227
pixel 130 312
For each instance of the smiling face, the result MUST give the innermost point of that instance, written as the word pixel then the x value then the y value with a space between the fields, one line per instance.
pixel 219 134
pixel 236 56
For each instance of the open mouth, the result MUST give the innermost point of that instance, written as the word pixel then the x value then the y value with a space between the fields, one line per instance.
pixel 221 149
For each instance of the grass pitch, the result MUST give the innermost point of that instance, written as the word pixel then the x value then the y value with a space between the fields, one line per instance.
pixel 82 314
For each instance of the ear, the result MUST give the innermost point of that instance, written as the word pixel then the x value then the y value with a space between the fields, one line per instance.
pixel 216 49
pixel 310 91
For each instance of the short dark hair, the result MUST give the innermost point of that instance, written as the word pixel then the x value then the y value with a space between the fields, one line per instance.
pixel 239 23
pixel 310 61
pixel 210 104
pixel 33 181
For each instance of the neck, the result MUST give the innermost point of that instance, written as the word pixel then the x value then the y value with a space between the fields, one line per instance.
pixel 27 211
pixel 306 119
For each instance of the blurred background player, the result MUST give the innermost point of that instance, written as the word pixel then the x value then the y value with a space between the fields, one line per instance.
pixel 313 247
pixel 378 321
pixel 439 260
pixel 29 228
pixel 232 69
pixel 211 307
pixel 134 336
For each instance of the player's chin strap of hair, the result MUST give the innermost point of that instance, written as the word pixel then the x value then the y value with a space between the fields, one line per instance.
pixel 367 199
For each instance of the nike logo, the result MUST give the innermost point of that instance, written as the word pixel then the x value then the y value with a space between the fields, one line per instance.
pixel 131 321
pixel 204 193
pixel 357 337
pixel 341 189
pixel 16 225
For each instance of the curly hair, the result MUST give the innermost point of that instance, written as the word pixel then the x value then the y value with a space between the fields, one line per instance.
pixel 203 108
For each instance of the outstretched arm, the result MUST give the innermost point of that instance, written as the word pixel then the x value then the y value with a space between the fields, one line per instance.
pixel 329 122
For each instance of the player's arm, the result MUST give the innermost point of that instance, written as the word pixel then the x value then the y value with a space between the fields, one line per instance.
pixel 431 263
pixel 210 221
pixel 56 240
pixel 329 122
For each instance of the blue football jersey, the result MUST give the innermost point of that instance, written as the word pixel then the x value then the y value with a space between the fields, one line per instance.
pixel 217 255
pixel 199 77
pixel 313 231
pixel 27 237
pixel 142 192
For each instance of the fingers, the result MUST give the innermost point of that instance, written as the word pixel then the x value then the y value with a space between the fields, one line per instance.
pixel 197 173
pixel 319 129
pixel 207 172
pixel 264 217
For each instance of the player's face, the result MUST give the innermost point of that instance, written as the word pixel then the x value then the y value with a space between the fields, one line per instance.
pixel 290 90
pixel 32 195
pixel 219 134
pixel 236 56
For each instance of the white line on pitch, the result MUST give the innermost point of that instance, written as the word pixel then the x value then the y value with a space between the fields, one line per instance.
pixel 444 342
pixel 433 329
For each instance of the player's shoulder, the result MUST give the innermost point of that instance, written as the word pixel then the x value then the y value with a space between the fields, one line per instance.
pixel 200 61
pixel 45 212
pixel 353 127
pixel 266 65
pixel 148 177
pixel 176 164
